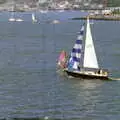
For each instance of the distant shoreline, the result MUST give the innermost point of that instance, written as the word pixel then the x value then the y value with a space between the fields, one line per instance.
pixel 100 17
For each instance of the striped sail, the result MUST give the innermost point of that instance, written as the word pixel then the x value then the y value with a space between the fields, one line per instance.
pixel 75 57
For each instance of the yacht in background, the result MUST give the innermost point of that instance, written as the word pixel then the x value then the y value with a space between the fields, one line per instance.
pixel 34 19
pixel 13 18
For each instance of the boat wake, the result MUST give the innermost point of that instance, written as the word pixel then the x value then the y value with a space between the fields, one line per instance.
pixel 112 78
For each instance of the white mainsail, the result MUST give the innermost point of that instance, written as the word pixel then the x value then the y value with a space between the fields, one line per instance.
pixel 34 18
pixel 90 59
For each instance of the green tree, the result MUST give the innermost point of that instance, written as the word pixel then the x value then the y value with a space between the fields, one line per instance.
pixel 2 1
pixel 113 3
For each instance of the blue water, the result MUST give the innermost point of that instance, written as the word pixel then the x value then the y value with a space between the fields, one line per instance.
pixel 30 87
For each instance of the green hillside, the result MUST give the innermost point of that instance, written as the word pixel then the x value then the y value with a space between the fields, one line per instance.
pixel 2 1
pixel 113 3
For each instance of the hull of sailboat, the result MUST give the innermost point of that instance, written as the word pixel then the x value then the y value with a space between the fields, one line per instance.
pixel 12 19
pixel 85 76
pixel 15 20
pixel 19 20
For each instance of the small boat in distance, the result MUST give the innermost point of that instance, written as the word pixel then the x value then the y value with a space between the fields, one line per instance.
pixel 82 62
pixel 12 12
pixel 55 22
pixel 34 18
pixel 19 20
pixel 16 20
pixel 12 19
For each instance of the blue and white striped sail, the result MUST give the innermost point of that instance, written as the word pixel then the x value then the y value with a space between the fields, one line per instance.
pixel 75 57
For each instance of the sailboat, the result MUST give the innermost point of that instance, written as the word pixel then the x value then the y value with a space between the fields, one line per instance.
pixel 83 62
pixel 13 18
pixel 34 18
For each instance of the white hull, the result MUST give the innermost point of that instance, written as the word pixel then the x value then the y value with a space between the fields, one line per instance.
pixel 12 19
pixel 19 20
pixel 16 20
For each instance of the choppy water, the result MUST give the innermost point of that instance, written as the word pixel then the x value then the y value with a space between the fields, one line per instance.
pixel 30 87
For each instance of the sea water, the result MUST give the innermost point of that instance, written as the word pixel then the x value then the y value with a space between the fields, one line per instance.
pixel 30 87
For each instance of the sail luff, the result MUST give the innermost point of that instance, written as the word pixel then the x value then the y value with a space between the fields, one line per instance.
pixel 90 59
